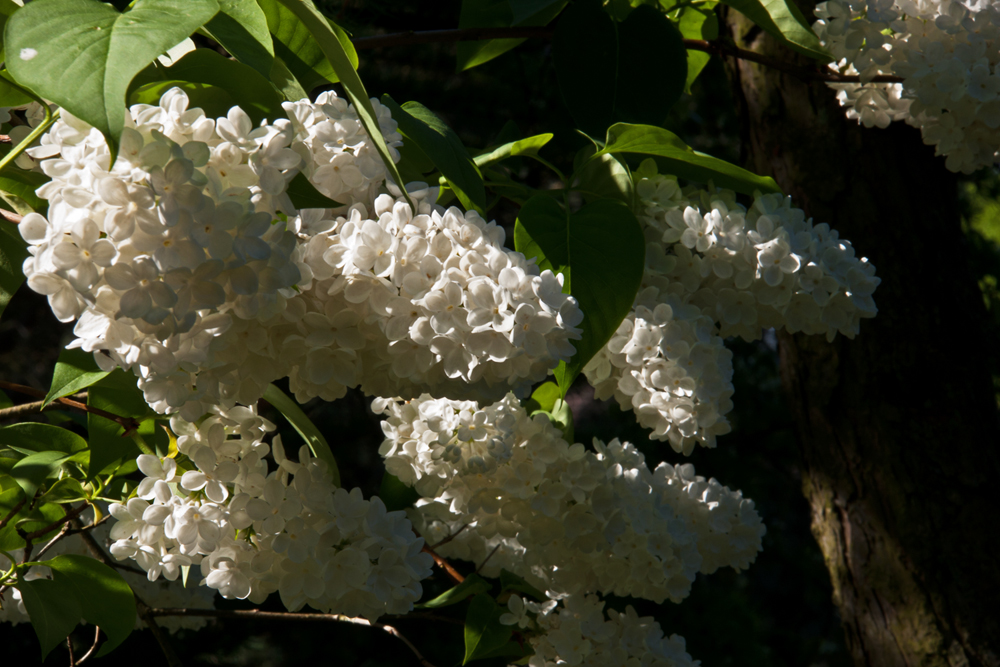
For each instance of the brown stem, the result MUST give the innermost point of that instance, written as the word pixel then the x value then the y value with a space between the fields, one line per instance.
pixel 141 608
pixel 291 616
pixel 12 513
pixel 487 560
pixel 10 217
pixel 718 48
pixel 97 639
pixel 129 424
pixel 444 565
pixel 450 537
pixel 72 514
pixel 69 646
pixel 16 411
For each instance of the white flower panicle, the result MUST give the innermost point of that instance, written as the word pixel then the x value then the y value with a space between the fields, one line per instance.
pixel 567 519
pixel 947 53
pixel 405 303
pixel 178 265
pixel 253 531
pixel 161 593
pixel 715 269
pixel 575 630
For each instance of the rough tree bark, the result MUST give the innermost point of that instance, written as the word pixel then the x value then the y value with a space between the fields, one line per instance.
pixel 898 428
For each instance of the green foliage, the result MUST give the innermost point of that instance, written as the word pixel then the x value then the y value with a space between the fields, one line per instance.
pixel 783 20
pixel 673 156
pixel 344 66
pixel 512 582
pixel 500 14
pixel 318 445
pixel 214 83
pixel 241 28
pixel 305 195
pixel 103 596
pixel 82 54
pixel 473 585
pixel 484 633
pixel 695 21
pixel 603 248
pixel 53 608
pixel 547 399
pixel 75 370
pixel 17 187
pixel 443 148
pixel 590 47
pixel 529 147
pixel 13 251
pixel 299 48
pixel 395 495
pixel 110 447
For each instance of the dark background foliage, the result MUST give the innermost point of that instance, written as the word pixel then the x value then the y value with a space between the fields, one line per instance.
pixel 778 613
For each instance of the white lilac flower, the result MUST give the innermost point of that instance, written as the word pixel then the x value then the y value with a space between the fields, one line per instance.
pixel 945 52
pixel 569 520
pixel 757 268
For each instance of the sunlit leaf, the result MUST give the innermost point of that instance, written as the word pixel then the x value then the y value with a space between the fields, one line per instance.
pixel 472 585
pixel 82 54
pixel 241 28
pixel 783 19
pixel 75 370
pixel 303 426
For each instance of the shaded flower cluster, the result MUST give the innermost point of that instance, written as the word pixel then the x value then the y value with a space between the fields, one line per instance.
pixel 716 269
pixel 947 53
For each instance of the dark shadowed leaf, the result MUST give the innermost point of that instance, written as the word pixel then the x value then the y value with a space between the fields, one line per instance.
pixel 241 28
pixel 53 609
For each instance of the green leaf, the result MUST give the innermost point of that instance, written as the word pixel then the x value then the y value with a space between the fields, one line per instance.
pixel 512 582
pixel 305 195
pixel 104 598
pixel 696 22
pixel 66 490
pixel 484 632
pixel 784 21
pixel 523 9
pixel 589 46
pixel 544 398
pixel 604 177
pixel 303 426
pixel 286 83
pixel 9 95
pixel 299 48
pixel 53 608
pixel 241 28
pixel 541 232
pixel 75 370
pixel 496 14
pixel 204 70
pixel 31 437
pixel 396 495
pixel 82 54
pixel 119 395
pixel 585 53
pixel 473 585
pixel 34 469
pixel 343 64
pixel 676 157
pixel 603 246
pixel 528 146
pixel 13 251
pixel 22 185
pixel 547 399
pixel 648 42
pixel 439 142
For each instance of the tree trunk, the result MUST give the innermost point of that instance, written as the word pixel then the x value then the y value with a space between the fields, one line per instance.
pixel 898 427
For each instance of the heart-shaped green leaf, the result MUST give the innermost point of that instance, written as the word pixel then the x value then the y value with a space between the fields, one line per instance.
pixel 53 609
pixel 82 54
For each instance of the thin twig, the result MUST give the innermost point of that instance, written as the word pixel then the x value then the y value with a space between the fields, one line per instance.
pixel 12 513
pixel 10 217
pixel 61 534
pixel 69 645
pixel 141 608
pixel 450 537
pixel 718 48
pixel 444 565
pixel 290 616
pixel 97 639
pixel 487 560
pixel 35 406
pixel 128 423
pixel 70 515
